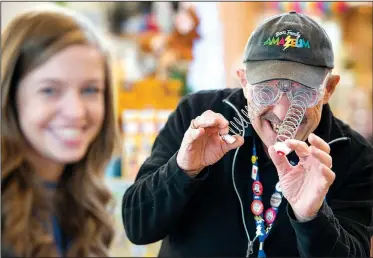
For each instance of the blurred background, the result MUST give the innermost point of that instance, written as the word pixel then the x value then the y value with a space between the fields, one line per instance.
pixel 164 50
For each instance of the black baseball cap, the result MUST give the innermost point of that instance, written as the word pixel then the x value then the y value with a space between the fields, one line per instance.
pixel 289 46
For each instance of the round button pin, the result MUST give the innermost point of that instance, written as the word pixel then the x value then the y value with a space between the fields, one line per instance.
pixel 257 207
pixel 278 187
pixel 276 199
pixel 257 188
pixel 254 159
pixel 270 215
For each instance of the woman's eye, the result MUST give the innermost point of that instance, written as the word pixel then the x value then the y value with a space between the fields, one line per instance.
pixel 49 91
pixel 91 90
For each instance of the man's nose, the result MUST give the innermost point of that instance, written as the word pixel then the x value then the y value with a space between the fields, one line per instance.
pixel 282 107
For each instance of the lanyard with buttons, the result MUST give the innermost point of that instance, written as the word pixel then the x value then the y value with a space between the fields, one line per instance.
pixel 257 206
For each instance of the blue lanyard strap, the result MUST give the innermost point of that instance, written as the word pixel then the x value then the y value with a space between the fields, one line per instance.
pixel 257 207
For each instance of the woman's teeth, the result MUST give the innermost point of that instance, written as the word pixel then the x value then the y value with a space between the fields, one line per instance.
pixel 69 134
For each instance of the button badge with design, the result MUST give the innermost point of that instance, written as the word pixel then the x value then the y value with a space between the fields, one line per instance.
pixel 257 207
pixel 257 188
pixel 270 215
pixel 278 187
pixel 276 199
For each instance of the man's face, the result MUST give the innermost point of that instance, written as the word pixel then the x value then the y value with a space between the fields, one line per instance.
pixel 268 122
pixel 270 118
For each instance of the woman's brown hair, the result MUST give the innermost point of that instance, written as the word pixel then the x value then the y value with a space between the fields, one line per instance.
pixel 81 198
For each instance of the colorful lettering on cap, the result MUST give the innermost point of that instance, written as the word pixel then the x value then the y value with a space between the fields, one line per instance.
pixel 287 38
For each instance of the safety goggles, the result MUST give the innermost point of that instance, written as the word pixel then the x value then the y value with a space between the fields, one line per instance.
pixel 269 93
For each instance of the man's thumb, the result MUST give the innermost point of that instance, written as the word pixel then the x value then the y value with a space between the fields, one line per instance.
pixel 238 141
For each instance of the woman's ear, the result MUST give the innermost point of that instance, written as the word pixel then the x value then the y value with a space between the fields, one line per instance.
pixel 330 87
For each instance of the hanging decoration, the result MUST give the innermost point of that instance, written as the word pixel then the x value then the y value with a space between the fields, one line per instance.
pixel 310 8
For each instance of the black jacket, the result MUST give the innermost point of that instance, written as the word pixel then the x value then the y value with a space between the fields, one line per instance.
pixel 203 216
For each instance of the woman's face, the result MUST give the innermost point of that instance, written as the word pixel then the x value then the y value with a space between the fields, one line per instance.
pixel 60 104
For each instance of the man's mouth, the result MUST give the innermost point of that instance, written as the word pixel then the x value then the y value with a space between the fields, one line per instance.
pixel 275 127
pixel 273 120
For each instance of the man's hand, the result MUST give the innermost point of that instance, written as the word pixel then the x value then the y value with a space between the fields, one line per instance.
pixel 306 184
pixel 203 145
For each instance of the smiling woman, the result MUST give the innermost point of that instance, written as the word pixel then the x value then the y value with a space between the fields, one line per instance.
pixel 61 110
pixel 58 133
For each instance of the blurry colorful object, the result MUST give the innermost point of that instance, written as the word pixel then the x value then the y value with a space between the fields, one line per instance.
pixel 310 8
pixel 62 3
pixel 114 168
pixel 184 34
pixel 140 127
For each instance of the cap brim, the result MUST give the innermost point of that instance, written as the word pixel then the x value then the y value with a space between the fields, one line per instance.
pixel 311 76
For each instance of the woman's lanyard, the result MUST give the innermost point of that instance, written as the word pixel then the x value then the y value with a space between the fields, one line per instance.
pixel 257 206
pixel 62 241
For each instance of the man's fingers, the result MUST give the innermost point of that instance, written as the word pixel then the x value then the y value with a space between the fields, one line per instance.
pixel 231 142
pixel 193 134
pixel 281 162
pixel 328 174
pixel 322 156
pixel 222 124
pixel 318 143
pixel 211 119
pixel 300 148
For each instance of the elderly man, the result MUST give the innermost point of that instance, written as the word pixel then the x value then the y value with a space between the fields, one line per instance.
pixel 290 179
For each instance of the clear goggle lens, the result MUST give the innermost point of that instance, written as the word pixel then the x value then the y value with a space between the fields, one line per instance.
pixel 269 93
